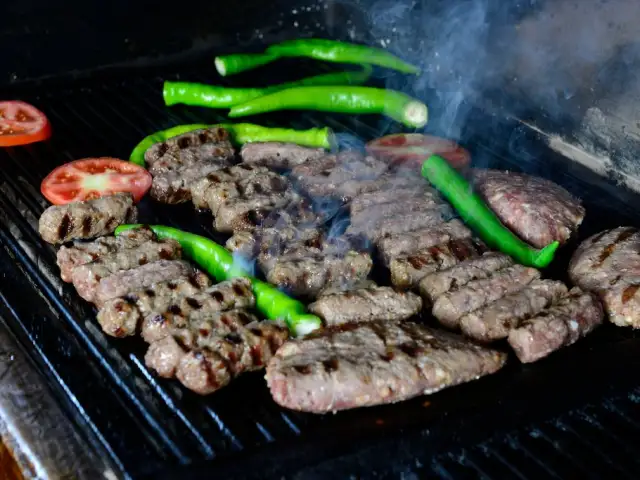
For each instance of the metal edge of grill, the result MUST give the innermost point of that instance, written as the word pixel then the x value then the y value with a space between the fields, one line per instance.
pixel 146 425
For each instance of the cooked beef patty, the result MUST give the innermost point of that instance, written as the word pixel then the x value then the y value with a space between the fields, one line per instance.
pixel 122 316
pixel 82 252
pixel 87 277
pixel 408 270
pixel 495 320
pixel 450 306
pixel 86 220
pixel 125 281
pixel 278 155
pixel 366 305
pixel 538 210
pixel 365 364
pixel 200 188
pixel 562 324
pixel 438 283
pixel 175 186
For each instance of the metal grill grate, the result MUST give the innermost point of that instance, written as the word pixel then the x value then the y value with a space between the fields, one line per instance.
pixel 147 425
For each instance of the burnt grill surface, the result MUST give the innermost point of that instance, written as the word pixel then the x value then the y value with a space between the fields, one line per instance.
pixel 575 412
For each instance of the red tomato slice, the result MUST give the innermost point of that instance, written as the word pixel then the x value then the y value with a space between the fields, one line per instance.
pixel 21 123
pixel 94 177
pixel 414 148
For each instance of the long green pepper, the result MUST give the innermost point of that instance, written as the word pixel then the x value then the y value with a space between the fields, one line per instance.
pixel 363 100
pixel 219 263
pixel 481 218
pixel 318 49
pixel 241 133
pixel 214 96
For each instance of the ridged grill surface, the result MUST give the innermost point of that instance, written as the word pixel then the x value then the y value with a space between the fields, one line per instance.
pixel 149 425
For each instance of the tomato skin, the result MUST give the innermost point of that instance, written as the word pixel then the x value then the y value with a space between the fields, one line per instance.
pixel 22 124
pixel 413 148
pixel 91 178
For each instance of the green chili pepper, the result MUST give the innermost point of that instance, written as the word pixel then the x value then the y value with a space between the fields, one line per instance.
pixel 241 133
pixel 213 96
pixel 341 52
pixel 318 49
pixel 475 212
pixel 396 105
pixel 219 263
pixel 236 63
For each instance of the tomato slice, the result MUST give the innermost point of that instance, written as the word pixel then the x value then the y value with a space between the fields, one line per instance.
pixel 414 148
pixel 21 123
pixel 94 177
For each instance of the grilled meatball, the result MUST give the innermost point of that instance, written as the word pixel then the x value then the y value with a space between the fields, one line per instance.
pixel 82 252
pixel 87 277
pixel 125 281
pixel 604 257
pixel 200 187
pixel 562 324
pixel 395 198
pixel 273 240
pixel 203 371
pixel 234 293
pixel 608 264
pixel 495 320
pixel 437 283
pixel 164 355
pixel 538 210
pixel 120 317
pixel 175 186
pixel 366 305
pixel 450 306
pixel 278 155
pixel 378 226
pixel 366 364
pixel 188 149
pixel 399 244
pixel 408 270
pixel 86 220
pixel 246 214
pixel 305 276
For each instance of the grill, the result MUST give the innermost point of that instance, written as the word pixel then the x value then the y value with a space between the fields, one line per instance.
pixel 574 413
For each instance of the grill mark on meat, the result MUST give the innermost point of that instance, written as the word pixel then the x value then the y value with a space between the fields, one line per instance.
pixel 609 249
pixel 256 355
pixel 86 226
pixel 217 296
pixel 162 149
pixel 173 309
pixel 303 369
pixel 330 365
pixel 66 226
pixel 193 303
pixel 629 293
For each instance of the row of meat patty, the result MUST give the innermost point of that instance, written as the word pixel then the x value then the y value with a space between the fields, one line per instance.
pixel 314 223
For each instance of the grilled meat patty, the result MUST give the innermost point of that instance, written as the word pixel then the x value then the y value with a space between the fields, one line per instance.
pixel 562 324
pixel 392 246
pixel 365 364
pixel 200 188
pixel 408 270
pixel 306 274
pixel 273 240
pixel 366 305
pixel 450 306
pixel 125 281
pixel 175 186
pixel 608 264
pixel 122 316
pixel 247 214
pixel 188 149
pixel 206 370
pixel 87 277
pixel 342 176
pixel 378 226
pixel 393 198
pixel 538 210
pixel 495 320
pixel 278 155
pixel 236 293
pixel 604 257
pixel 164 357
pixel 82 252
pixel 86 220
pixel 435 284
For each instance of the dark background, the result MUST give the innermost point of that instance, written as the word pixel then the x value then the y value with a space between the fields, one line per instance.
pixel 566 66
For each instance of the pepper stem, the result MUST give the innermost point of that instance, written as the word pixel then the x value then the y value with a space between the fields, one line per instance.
pixel 416 114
